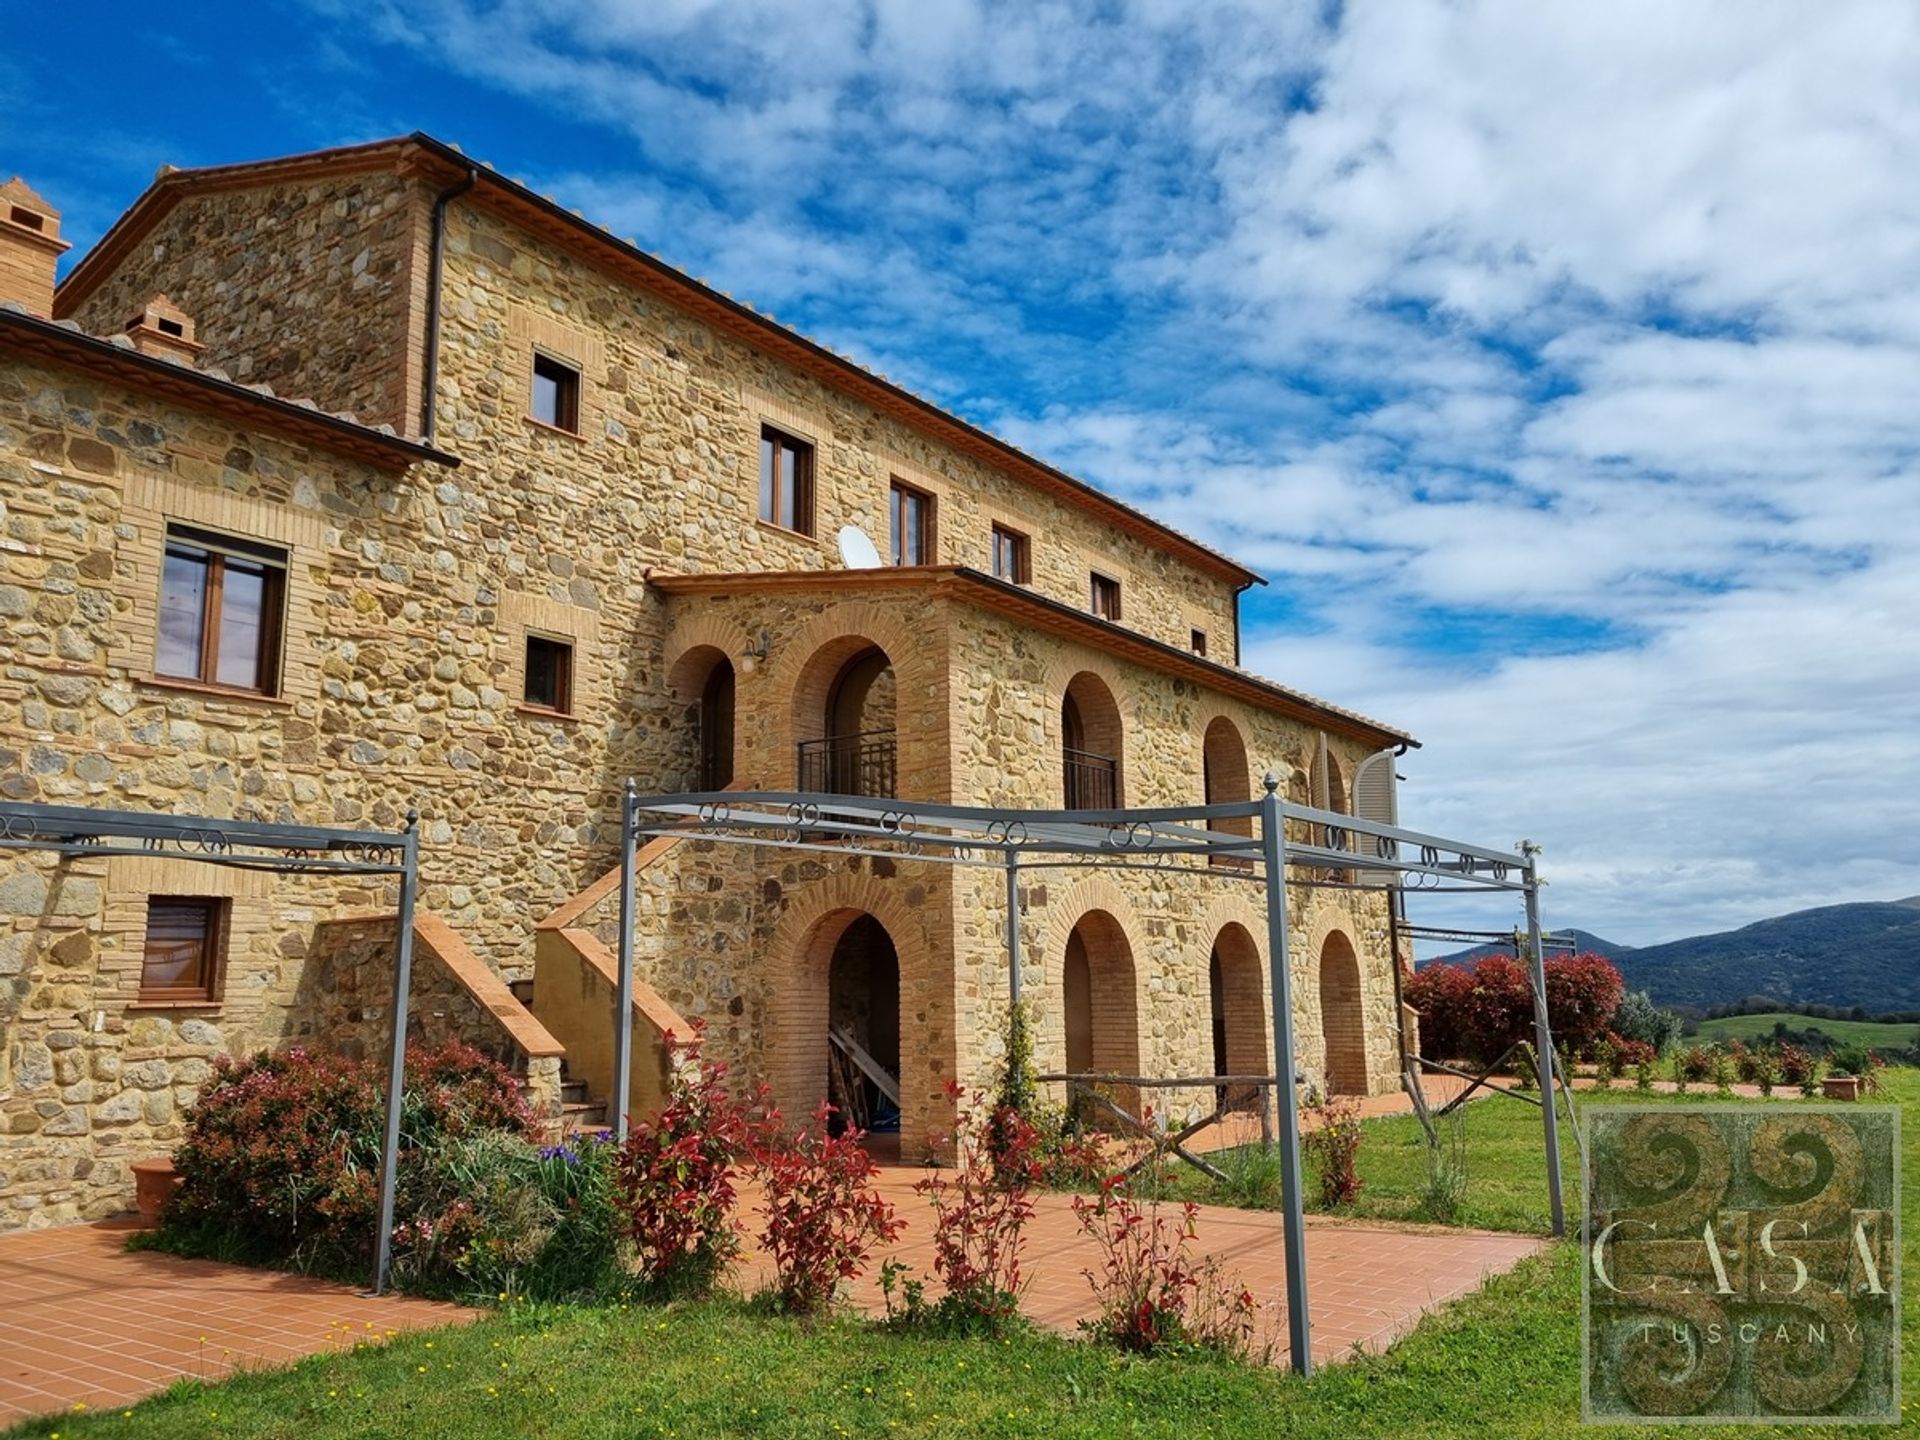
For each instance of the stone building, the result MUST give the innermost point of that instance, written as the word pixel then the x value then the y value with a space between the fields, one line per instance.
pixel 611 553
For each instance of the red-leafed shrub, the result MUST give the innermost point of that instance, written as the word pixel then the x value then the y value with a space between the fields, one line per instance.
pixel 1476 1013
pixel 1332 1142
pixel 281 1159
pixel 1151 1294
pixel 981 1213
pixel 1629 1054
pixel 1696 1062
pixel 675 1175
pixel 823 1216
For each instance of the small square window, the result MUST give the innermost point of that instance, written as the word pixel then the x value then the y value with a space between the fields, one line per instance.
pixel 1011 556
pixel 1104 599
pixel 549 681
pixel 786 481
pixel 910 525
pixel 1200 642
pixel 185 935
pixel 222 611
pixel 556 393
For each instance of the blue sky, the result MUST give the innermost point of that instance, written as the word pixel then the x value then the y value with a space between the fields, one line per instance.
pixel 1558 364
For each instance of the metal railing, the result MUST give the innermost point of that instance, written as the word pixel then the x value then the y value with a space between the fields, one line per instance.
pixel 850 764
pixel 1092 781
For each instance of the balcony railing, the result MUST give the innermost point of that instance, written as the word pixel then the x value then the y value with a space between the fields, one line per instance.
pixel 849 764
pixel 1093 781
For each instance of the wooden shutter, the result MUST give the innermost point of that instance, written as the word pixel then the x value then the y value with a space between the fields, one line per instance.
pixel 1376 797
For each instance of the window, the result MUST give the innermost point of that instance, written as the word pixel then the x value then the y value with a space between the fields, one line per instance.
pixel 1011 556
pixel 549 684
pixel 556 393
pixel 1104 600
pixel 786 481
pixel 1200 642
pixel 222 607
pixel 182 958
pixel 910 523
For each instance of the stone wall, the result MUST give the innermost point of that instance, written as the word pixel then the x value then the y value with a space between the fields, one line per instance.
pixel 305 286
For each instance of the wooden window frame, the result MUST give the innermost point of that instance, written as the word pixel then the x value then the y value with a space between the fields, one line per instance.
pixel 898 493
pixel 563 678
pixel 213 957
pixel 803 480
pixel 1199 642
pixel 567 379
pixel 1019 547
pixel 1096 580
pixel 274 561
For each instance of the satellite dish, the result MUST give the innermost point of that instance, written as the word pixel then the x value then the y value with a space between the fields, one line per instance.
pixel 856 550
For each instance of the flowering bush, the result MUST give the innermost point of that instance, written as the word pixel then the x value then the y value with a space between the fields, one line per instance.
pixel 492 1215
pixel 980 1215
pixel 823 1216
pixel 1628 1054
pixel 1796 1063
pixel 1332 1142
pixel 1151 1295
pixel 1476 1013
pixel 675 1175
pixel 281 1158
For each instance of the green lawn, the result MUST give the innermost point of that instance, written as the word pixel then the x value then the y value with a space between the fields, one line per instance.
pixel 1502 1363
pixel 1760 1027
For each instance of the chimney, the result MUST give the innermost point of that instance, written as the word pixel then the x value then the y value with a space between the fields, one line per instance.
pixel 30 248
pixel 162 328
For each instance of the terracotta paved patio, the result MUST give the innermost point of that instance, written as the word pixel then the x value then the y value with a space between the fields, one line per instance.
pixel 1370 1282
pixel 83 1321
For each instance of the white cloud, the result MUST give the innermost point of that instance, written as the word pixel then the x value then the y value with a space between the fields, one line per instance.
pixel 1454 317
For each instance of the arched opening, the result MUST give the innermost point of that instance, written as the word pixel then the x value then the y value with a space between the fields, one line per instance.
pixel 844 720
pixel 1091 745
pixel 863 1028
pixel 1100 1008
pixel 716 727
pixel 702 681
pixel 1330 793
pixel 1343 1023
pixel 1239 1014
pixel 1227 780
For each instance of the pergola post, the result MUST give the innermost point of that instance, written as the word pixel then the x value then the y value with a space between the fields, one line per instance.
pixel 1273 846
pixel 623 997
pixel 397 1049
pixel 1013 929
pixel 1543 1035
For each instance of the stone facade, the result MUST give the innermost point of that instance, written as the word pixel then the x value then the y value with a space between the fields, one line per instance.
pixel 411 593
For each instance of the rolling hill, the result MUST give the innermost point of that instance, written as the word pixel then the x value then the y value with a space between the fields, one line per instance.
pixel 1865 954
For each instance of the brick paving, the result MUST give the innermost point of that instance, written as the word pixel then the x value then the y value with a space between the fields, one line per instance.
pixel 83 1321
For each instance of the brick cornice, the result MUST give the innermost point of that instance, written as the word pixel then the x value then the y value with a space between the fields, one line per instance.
pixel 1016 602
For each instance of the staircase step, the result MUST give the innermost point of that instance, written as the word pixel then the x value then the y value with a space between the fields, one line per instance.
pixel 574 1092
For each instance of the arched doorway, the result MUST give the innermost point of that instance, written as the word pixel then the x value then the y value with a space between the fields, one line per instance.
pixel 716 727
pixel 702 682
pixel 1238 1008
pixel 1099 1005
pixel 863 1028
pixel 844 720
pixel 1343 1023
pixel 1091 745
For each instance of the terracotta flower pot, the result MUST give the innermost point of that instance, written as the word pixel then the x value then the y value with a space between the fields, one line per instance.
pixel 154 1182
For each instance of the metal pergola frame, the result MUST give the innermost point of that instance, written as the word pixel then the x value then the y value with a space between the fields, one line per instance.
pixel 83 832
pixel 1342 851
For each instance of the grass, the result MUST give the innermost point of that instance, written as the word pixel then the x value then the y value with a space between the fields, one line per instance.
pixel 1502 1362
pixel 1760 1027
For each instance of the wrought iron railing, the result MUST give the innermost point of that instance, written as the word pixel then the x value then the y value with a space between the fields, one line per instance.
pixel 1092 781
pixel 850 764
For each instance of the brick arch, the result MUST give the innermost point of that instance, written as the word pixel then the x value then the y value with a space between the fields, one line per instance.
pixel 1100 730
pixel 1226 778
pixel 1094 923
pixel 1343 1021
pixel 1237 995
pixel 799 954
pixel 691 633
pixel 813 658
